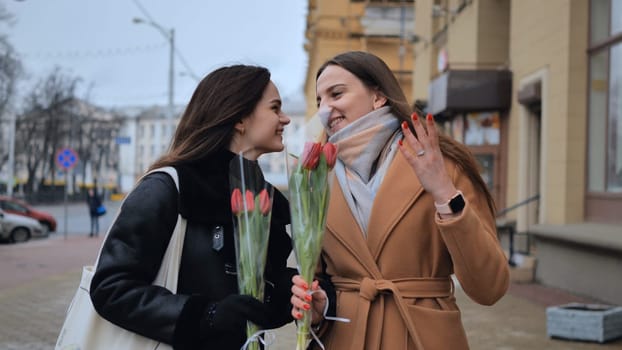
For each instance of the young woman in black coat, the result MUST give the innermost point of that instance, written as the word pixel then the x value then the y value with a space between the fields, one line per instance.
pixel 233 109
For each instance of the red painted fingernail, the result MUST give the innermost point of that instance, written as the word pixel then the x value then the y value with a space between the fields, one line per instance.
pixel 308 297
pixel 305 286
pixel 307 306
pixel 404 125
pixel 430 117
pixel 298 315
pixel 399 142
pixel 414 116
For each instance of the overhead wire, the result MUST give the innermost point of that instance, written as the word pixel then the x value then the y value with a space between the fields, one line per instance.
pixel 178 52
pixel 95 53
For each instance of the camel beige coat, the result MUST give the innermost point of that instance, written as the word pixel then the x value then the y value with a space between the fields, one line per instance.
pixel 395 285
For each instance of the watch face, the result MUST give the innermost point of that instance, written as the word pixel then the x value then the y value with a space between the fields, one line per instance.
pixel 457 204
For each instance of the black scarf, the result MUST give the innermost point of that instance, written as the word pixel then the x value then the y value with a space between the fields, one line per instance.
pixel 205 194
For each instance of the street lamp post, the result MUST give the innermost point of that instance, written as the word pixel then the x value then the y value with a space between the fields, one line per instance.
pixel 11 165
pixel 170 36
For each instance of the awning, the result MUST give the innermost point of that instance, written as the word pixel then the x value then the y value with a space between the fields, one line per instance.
pixel 470 91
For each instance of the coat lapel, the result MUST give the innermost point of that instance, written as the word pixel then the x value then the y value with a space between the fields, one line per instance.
pixel 397 193
pixel 343 226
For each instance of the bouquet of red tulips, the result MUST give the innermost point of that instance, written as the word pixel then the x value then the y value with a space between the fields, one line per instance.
pixel 308 200
pixel 251 205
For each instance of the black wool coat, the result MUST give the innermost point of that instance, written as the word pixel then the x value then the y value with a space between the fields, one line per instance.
pixel 121 289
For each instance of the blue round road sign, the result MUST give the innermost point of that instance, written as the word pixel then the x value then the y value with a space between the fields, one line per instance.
pixel 66 158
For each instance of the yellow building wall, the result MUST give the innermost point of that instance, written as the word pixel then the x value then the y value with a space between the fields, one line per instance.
pixel 388 51
pixel 462 41
pixel 423 60
pixel 531 38
pixel 477 37
pixel 330 25
pixel 551 37
pixel 493 33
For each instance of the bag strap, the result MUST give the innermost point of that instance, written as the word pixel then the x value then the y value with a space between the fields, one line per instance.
pixel 169 269
pixel 168 273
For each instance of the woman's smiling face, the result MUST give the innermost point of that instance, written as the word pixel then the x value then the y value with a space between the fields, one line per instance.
pixel 343 98
pixel 262 131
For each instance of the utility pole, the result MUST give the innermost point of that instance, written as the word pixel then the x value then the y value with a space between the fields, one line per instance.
pixel 168 132
pixel 170 36
pixel 11 166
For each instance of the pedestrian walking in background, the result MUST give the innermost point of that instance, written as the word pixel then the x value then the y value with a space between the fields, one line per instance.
pixel 234 109
pixel 94 203
pixel 408 209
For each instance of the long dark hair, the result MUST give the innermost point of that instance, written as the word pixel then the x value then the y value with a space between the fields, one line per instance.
pixel 376 75
pixel 222 98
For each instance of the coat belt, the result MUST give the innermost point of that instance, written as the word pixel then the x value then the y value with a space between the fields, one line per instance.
pixel 369 288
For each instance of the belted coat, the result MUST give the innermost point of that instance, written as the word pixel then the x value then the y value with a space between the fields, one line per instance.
pixel 394 285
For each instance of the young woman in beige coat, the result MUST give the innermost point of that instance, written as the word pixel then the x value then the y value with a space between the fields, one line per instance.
pixel 408 209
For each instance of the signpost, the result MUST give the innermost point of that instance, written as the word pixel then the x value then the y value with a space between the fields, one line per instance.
pixel 66 159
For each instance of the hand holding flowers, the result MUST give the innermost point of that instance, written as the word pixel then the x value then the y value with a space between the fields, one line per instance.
pixel 301 300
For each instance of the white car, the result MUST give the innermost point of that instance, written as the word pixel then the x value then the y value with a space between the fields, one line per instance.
pixel 16 228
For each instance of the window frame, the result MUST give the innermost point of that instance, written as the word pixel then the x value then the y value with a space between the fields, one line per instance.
pixel 601 206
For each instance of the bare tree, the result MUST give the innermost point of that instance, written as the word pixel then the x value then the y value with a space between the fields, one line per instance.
pixel 10 72
pixel 45 125
pixel 54 119
pixel 95 139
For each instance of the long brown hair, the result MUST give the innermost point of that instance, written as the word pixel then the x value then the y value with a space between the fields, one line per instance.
pixel 375 74
pixel 222 98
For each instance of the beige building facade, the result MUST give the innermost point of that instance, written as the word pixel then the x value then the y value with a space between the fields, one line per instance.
pixel 555 161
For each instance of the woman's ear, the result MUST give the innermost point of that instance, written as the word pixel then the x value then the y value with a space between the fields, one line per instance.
pixel 379 100
pixel 239 126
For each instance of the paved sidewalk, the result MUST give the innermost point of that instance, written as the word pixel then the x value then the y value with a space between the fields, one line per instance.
pixel 38 279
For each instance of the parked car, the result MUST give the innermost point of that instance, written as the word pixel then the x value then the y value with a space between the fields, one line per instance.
pixel 17 228
pixel 15 206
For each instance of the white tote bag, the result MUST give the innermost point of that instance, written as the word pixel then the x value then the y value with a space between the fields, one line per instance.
pixel 84 329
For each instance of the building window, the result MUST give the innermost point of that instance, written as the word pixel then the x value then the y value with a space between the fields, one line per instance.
pixel 614 149
pixel 605 97
pixel 481 133
pixel 616 17
pixel 481 129
pixel 597 112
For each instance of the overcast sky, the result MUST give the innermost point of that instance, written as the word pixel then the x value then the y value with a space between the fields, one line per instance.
pixel 127 64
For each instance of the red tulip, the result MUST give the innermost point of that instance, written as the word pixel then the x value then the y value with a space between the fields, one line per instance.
pixel 250 201
pixel 311 155
pixel 330 152
pixel 264 202
pixel 236 201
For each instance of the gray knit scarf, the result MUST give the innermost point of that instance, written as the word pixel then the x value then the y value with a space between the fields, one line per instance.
pixel 365 149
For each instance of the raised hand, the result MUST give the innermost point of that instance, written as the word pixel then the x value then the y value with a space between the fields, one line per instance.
pixel 423 153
